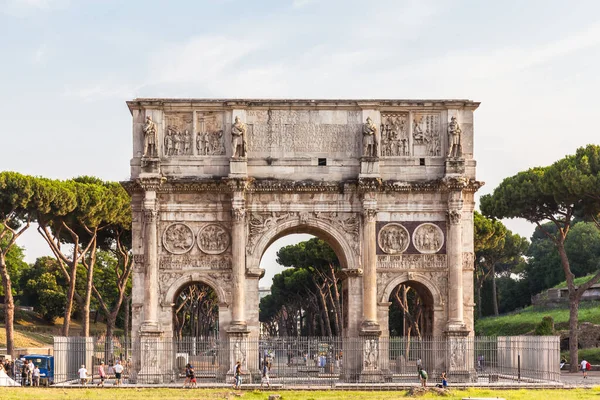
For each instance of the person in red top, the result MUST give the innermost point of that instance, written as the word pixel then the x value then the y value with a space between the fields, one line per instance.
pixel 585 367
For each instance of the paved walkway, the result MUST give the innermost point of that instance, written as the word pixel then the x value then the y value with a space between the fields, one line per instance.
pixel 576 379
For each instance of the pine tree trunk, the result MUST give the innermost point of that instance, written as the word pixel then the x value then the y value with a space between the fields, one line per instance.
pixel 9 307
pixel 70 293
pixel 573 334
pixel 479 303
pixel 88 293
pixel 494 292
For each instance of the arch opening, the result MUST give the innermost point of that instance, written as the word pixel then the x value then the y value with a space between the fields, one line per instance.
pixel 306 296
pixel 411 310
pixel 196 311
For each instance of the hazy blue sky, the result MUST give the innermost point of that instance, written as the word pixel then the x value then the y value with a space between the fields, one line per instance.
pixel 69 66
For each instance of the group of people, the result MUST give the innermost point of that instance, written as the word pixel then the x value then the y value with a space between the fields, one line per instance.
pixel 117 369
pixel 190 376
pixel 30 374
pixel 423 376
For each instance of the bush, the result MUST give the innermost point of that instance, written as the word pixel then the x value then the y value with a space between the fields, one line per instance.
pixel 546 327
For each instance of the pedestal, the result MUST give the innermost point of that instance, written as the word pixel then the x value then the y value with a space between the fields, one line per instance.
pixel 455 166
pixel 155 359
pixel 371 357
pixel 460 357
pixel 369 167
pixel 150 165
pixel 238 168
pixel 239 350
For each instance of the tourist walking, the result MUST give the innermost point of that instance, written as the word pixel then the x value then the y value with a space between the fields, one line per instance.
pixel 265 374
pixel 101 374
pixel 192 377
pixel 118 373
pixel 423 377
pixel 24 370
pixel 238 375
pixel 187 375
pixel 585 367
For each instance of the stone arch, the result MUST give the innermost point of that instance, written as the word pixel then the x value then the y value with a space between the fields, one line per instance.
pixel 348 256
pixel 194 277
pixel 438 302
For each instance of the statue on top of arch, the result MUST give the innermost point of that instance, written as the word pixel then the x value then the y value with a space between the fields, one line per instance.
pixel 454 138
pixel 370 142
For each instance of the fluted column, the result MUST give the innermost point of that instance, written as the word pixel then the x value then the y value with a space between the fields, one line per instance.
pixel 369 263
pixel 151 261
pixel 454 250
pixel 238 249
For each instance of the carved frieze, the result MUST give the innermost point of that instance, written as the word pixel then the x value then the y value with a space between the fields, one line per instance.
pixel 428 238
pixel 412 261
pixel 178 134
pixel 393 238
pixel 209 138
pixel 166 279
pixel 178 238
pixel 194 262
pixel 348 223
pixel 426 135
pixel 371 353
pixel 394 134
pixel 213 239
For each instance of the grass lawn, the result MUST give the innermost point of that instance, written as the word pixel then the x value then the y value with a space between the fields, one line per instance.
pixel 177 394
pixel 526 320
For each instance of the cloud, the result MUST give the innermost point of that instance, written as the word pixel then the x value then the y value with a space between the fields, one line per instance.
pixel 21 8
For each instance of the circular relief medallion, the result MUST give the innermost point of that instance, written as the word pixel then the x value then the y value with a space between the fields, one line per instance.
pixel 428 238
pixel 178 238
pixel 213 239
pixel 393 238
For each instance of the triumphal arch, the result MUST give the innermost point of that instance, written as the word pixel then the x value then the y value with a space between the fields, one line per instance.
pixel 389 184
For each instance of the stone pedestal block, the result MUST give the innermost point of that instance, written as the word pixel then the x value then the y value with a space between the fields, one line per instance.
pixel 369 167
pixel 460 357
pixel 372 357
pixel 455 166
pixel 155 359
pixel 238 168
pixel 150 165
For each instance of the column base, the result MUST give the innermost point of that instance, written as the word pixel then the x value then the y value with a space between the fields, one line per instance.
pixel 238 327
pixel 370 328
pixel 150 327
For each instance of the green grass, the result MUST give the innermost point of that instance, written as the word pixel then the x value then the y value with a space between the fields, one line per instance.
pixel 526 320
pixel 213 394
pixel 577 281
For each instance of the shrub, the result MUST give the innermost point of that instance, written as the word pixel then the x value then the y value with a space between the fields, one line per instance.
pixel 546 327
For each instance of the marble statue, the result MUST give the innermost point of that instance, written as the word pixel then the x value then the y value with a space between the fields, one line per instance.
pixel 454 138
pixel 150 138
pixel 369 139
pixel 238 139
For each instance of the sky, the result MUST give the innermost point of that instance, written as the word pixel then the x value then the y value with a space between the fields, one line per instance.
pixel 68 67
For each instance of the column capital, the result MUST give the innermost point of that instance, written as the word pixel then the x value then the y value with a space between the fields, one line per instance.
pixel 454 216
pixel 370 214
pixel 150 215
pixel 238 214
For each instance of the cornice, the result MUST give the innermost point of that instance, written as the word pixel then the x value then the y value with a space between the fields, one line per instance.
pixel 228 104
pixel 229 185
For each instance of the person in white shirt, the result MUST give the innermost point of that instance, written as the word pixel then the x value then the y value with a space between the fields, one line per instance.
pixel 36 376
pixel 118 371
pixel 585 366
pixel 30 368
pixel 83 375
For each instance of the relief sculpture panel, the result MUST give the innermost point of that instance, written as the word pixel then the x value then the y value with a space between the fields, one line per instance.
pixel 426 135
pixel 394 134
pixel 178 134
pixel 428 238
pixel 213 239
pixel 412 261
pixel 393 238
pixel 209 138
pixel 178 238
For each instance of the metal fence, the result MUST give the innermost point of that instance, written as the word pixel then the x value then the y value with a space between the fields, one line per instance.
pixel 315 361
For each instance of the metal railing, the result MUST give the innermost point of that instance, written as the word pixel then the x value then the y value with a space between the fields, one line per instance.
pixel 315 361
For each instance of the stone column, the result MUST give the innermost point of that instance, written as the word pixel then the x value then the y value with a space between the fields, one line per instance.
pixel 151 260
pixel 454 250
pixel 238 250
pixel 369 264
